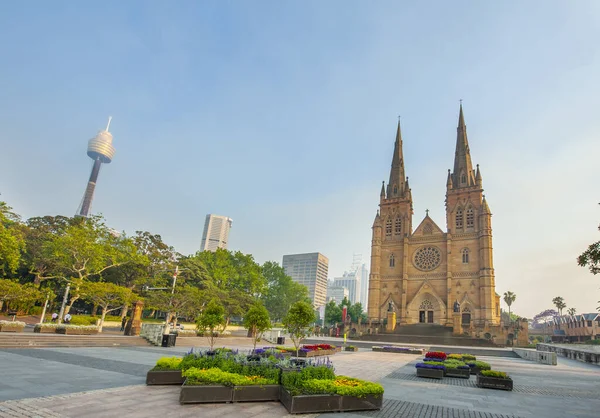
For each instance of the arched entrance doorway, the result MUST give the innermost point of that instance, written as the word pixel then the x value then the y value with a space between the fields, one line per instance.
pixel 426 312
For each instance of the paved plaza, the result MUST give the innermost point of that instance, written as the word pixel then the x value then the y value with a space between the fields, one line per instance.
pixel 109 382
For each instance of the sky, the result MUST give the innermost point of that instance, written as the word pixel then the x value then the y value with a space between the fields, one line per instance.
pixel 282 116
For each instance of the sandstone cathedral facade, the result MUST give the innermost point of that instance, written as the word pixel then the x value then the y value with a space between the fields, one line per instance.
pixel 426 274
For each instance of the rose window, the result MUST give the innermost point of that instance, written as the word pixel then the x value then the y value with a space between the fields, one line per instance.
pixel 427 258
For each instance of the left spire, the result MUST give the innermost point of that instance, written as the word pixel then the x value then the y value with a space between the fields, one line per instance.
pixel 396 186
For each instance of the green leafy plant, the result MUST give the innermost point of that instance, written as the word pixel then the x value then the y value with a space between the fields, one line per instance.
pixel 342 385
pixel 216 376
pixel 168 363
pixel 297 321
pixel 453 364
pixel 211 318
pixel 481 365
pixel 495 373
pixel 293 381
pixel 257 321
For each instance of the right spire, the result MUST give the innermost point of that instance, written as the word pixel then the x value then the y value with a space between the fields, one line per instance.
pixel 463 175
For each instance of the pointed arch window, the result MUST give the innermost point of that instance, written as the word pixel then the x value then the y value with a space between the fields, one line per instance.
pixel 463 178
pixel 459 218
pixel 398 226
pixel 465 256
pixel 395 190
pixel 388 228
pixel 392 261
pixel 470 218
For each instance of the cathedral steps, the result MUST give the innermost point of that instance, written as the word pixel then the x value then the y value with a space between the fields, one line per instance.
pixel 429 340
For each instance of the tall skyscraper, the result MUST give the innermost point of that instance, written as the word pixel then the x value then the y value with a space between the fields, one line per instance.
pixel 310 270
pixel 350 281
pixel 337 294
pixel 100 150
pixel 216 232
pixel 363 272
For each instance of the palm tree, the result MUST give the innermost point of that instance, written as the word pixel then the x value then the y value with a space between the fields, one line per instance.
pixel 571 311
pixel 560 304
pixel 509 298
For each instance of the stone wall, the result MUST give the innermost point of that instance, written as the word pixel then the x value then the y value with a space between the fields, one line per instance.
pixel 543 357
pixel 152 333
pixel 582 354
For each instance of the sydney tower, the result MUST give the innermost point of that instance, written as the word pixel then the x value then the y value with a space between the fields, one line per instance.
pixel 100 150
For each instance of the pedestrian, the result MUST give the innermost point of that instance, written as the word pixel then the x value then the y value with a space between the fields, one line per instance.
pixel 67 318
pixel 123 322
pixel 54 317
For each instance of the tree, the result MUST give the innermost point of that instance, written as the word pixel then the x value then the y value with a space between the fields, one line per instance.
pixel 333 313
pixel 543 317
pixel 571 311
pixel 355 311
pixel 108 296
pixel 560 304
pixel 509 298
pixel 257 321
pixel 211 318
pixel 281 291
pixel 11 240
pixel 19 296
pixel 300 316
pixel 186 301
pixel 591 257
pixel 85 249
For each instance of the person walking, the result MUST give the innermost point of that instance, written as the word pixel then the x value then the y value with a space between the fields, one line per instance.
pixel 54 317
pixel 123 322
pixel 67 318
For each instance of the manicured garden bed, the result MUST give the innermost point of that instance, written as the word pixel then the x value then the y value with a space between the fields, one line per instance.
pixel 45 328
pixel 430 373
pixel 351 348
pixel 205 394
pixel 256 393
pixel 77 329
pixel 491 379
pixel 164 377
pixel 462 373
pixel 394 349
pixel 12 326
pixel 310 404
pixel 315 353
pixel 478 366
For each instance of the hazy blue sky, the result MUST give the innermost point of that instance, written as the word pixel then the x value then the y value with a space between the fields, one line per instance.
pixel 282 116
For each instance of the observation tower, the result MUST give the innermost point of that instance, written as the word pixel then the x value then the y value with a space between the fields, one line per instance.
pixel 101 150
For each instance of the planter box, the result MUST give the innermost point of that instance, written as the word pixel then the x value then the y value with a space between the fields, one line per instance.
pixel 494 383
pixel 205 394
pixel 475 370
pixel 316 353
pixel 384 350
pixel 307 404
pixel 44 330
pixel 164 377
pixel 337 349
pixel 11 328
pixel 368 403
pixel 351 349
pixel 430 373
pixel 256 393
pixel 74 331
pixel 463 373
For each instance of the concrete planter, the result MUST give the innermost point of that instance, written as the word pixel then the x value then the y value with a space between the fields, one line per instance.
pixel 76 331
pixel 462 373
pixel 351 349
pixel 316 353
pixel 164 377
pixel 8 327
pixel 205 394
pixel 309 404
pixel 391 350
pixel 494 383
pixel 474 370
pixel 44 329
pixel 256 393
pixel 430 373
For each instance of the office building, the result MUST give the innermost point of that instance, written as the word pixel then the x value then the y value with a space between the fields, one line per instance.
pixel 337 294
pixel 310 270
pixel 216 232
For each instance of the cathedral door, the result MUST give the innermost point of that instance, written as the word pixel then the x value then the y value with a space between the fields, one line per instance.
pixel 422 317
pixel 466 319
pixel 430 317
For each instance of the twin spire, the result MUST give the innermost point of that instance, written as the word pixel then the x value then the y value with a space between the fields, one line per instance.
pixel 463 174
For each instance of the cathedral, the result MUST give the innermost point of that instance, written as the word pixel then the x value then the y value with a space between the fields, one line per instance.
pixel 428 275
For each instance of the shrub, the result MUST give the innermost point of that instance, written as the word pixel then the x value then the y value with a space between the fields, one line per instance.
pixel 481 365
pixel 495 373
pixel 14 323
pixel 81 327
pixel 436 355
pixel 83 320
pixel 168 363
pixel 455 364
pixel 342 385
pixel 293 381
pixel 216 376
pixel 462 357
pixel 595 342
pixel 186 333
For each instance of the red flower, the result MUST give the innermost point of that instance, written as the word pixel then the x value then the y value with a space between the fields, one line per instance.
pixel 436 354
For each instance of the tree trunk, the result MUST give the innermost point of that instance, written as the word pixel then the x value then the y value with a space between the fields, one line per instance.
pixel 102 319
pixel 69 305
pixel 124 309
pixel 95 310
pixel 152 314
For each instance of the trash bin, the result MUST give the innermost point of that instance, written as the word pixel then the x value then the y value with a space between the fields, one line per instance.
pixel 280 340
pixel 168 340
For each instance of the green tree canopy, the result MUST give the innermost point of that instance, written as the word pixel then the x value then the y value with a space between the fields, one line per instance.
pixel 591 257
pixel 211 319
pixel 11 240
pixel 281 291
pixel 333 313
pixel 560 304
pixel 108 296
pixel 187 301
pixel 300 316
pixel 257 321
pixel 509 297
